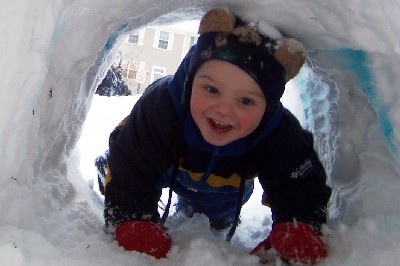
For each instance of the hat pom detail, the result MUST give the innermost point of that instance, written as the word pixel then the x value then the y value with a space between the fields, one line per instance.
pixel 291 55
pixel 217 20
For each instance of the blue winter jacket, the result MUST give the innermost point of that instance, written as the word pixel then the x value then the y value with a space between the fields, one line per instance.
pixel 143 152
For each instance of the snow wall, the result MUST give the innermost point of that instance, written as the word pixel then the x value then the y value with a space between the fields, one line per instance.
pixel 54 53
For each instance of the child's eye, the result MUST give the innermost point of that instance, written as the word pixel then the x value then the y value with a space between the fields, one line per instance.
pixel 246 101
pixel 212 90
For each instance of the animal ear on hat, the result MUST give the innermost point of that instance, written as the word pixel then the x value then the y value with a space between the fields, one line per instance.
pixel 217 20
pixel 291 55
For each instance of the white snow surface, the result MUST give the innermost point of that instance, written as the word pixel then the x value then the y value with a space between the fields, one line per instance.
pixel 53 55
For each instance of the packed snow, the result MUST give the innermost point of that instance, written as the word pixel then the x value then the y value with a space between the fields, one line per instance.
pixel 52 126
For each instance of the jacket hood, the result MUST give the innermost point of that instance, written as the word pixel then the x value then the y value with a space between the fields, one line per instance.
pixel 181 100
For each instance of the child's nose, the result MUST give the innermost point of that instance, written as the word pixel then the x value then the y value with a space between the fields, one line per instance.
pixel 224 108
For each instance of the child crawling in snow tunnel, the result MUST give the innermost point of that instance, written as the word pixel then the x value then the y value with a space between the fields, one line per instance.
pixel 206 133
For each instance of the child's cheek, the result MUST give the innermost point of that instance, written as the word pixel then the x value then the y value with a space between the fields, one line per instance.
pixel 198 104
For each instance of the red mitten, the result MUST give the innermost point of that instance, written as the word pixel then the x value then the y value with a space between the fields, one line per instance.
pixel 263 250
pixel 144 237
pixel 294 242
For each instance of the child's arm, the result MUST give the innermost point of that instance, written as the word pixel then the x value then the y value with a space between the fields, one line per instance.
pixel 300 193
pixel 293 178
pixel 140 151
pixel 294 183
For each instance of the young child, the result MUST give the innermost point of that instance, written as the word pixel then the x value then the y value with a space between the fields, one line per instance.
pixel 113 83
pixel 206 133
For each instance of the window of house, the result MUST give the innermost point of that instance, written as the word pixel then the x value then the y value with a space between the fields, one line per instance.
pixel 163 40
pixel 131 73
pixel 157 72
pixel 134 38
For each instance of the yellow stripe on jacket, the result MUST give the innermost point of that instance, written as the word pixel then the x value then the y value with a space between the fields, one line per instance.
pixel 218 181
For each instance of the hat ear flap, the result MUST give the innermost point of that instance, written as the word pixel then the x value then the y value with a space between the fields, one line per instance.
pixel 291 55
pixel 217 20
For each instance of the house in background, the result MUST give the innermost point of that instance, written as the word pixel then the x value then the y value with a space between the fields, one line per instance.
pixel 153 52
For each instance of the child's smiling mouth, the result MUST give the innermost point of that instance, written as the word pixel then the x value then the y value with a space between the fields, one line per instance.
pixel 219 126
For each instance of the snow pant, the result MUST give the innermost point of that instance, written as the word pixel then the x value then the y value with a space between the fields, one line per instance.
pixel 218 204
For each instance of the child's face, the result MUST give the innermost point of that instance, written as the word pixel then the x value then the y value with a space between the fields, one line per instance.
pixel 226 103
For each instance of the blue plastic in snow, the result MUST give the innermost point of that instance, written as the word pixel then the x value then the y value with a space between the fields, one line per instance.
pixel 356 61
pixel 112 38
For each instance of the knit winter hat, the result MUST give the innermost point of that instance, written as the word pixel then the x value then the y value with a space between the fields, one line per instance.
pixel 271 63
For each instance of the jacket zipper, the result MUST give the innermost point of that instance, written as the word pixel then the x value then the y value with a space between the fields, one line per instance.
pixel 215 157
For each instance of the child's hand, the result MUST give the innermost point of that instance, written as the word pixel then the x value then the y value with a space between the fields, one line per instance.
pixel 296 242
pixel 143 236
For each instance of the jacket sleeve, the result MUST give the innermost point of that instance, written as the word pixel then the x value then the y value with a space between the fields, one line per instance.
pixel 293 178
pixel 140 152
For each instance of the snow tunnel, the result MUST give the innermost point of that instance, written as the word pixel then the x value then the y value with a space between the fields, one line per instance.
pixel 348 89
